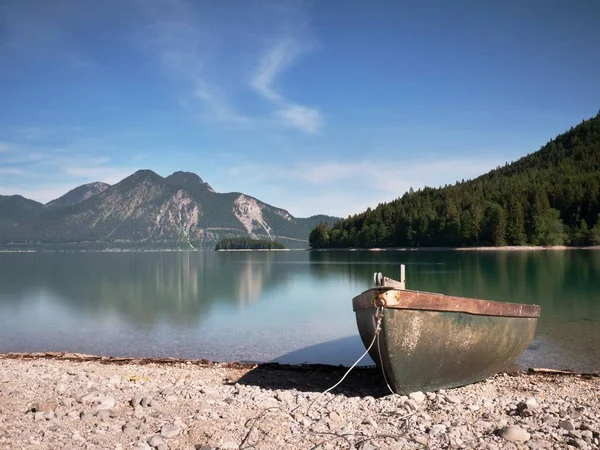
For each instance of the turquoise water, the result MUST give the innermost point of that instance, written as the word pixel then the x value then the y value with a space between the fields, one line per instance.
pixel 292 307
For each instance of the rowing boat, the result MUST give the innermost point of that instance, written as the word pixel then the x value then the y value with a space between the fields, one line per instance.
pixel 426 341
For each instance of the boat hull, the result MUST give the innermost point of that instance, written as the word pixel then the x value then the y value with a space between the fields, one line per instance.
pixel 427 350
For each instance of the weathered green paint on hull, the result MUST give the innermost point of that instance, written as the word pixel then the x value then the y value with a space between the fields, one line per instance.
pixel 430 350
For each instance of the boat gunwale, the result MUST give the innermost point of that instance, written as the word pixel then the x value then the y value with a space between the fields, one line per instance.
pixel 393 298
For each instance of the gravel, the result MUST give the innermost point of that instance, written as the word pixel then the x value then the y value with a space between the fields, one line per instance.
pixel 97 404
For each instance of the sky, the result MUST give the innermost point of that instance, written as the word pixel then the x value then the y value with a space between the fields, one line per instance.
pixel 316 107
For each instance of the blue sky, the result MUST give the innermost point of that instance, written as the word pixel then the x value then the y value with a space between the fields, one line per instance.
pixel 316 107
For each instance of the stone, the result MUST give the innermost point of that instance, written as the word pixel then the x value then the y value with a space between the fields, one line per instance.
pixel 67 402
pixel 229 445
pixel 203 447
pixel 587 434
pixel 422 440
pixel 44 407
pixel 128 429
pixel 143 446
pixel 514 434
pixel 539 445
pixel 587 426
pixel 146 402
pixel 155 441
pixel 139 412
pixel 106 402
pixel 135 401
pixel 418 396
pixel 437 429
pixel 566 425
pixel 483 424
pixel 334 417
pixel 89 397
pixel 411 405
pixel 577 443
pixel 452 399
pixel 367 446
pixel 169 431
pixel 525 410
pixel 167 392
pixel 284 396
pixel 369 421
pixel 552 421
pixel 103 414
pixel 77 437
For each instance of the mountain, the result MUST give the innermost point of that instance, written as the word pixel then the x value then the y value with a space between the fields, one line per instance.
pixel 15 208
pixel 78 195
pixel 146 210
pixel 550 197
pixel 188 180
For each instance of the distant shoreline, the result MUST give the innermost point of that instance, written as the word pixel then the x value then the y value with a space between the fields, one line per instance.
pixel 506 248
pixel 253 250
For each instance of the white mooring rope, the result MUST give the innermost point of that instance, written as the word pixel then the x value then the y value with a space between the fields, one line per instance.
pixel 379 320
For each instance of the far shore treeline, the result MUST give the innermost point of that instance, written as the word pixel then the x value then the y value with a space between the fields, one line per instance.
pixel 241 243
pixel 550 197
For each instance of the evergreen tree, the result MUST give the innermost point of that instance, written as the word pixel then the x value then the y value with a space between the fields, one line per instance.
pixel 515 227
pixel 319 237
pixel 546 198
pixel 595 233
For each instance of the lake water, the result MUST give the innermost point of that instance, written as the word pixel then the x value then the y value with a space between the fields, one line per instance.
pixel 293 307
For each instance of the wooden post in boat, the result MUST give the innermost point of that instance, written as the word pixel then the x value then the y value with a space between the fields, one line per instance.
pixel 390 282
pixel 402 277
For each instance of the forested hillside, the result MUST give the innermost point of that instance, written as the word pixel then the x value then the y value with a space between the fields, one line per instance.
pixel 241 243
pixel 14 208
pixel 550 197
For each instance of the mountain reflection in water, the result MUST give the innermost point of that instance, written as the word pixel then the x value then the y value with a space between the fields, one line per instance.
pixel 258 306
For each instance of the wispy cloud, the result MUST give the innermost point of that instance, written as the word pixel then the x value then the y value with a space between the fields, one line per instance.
pixel 214 65
pixel 13 154
pixel 306 119
pixel 217 107
pixel 306 188
pixel 182 39
pixel 42 193
pixel 12 171
pixel 44 174
pixel 277 59
pixel 106 174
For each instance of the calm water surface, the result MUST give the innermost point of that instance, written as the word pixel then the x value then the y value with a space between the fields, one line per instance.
pixel 291 307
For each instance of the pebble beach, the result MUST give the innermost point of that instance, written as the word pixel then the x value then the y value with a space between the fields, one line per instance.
pixel 75 401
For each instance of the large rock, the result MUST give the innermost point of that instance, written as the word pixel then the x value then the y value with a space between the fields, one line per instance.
pixel 169 431
pixel 514 434
pixel 418 396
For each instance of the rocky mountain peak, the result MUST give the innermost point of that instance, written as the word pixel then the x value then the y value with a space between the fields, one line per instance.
pixel 188 180
pixel 78 194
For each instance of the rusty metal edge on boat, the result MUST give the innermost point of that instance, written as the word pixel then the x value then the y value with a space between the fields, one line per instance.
pixel 391 297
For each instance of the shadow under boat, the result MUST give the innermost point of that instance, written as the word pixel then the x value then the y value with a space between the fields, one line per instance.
pixel 318 367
